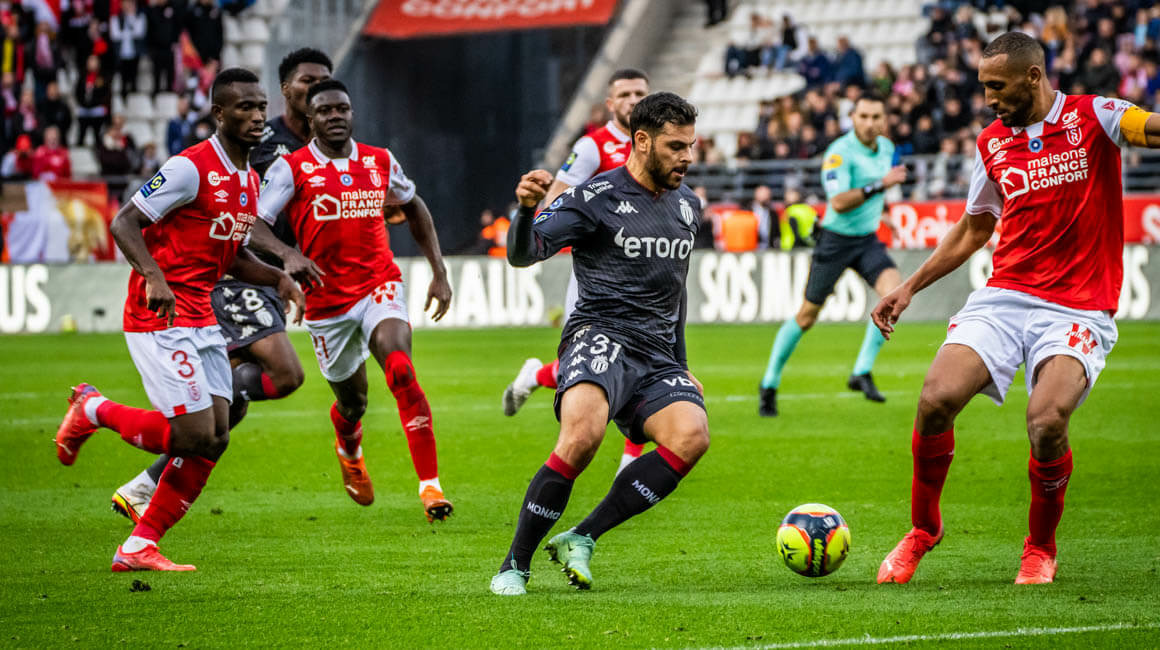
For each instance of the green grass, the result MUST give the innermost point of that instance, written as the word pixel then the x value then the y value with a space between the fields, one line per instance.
pixel 285 558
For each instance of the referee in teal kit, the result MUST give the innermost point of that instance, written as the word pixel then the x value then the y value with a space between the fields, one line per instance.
pixel 857 169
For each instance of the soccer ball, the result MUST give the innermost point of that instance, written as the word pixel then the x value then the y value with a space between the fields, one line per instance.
pixel 813 540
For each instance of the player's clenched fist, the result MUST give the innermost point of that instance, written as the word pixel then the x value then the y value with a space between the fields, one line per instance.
pixel 533 187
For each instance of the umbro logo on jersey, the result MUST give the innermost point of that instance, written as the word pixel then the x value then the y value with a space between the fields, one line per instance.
pixel 316 181
pixel 625 208
pixel 222 196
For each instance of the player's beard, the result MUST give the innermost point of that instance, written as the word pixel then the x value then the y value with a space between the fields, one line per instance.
pixel 1020 113
pixel 661 177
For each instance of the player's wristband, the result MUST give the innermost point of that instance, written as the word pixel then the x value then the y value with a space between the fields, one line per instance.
pixel 872 189
pixel 527 212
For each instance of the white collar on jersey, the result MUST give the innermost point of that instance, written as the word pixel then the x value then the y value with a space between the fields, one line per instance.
pixel 339 163
pixel 615 131
pixel 1036 130
pixel 229 164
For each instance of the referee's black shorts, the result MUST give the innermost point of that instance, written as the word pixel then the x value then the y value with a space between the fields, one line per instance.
pixel 834 253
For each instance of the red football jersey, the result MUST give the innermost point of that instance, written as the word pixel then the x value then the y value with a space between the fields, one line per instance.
pixel 604 149
pixel 202 207
pixel 1056 185
pixel 335 208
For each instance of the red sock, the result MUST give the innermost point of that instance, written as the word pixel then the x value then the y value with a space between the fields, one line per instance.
pixel 415 414
pixel 271 391
pixel 932 460
pixel 561 467
pixel 1048 486
pixel 546 375
pixel 679 465
pixel 349 434
pixel 633 449
pixel 178 488
pixel 148 430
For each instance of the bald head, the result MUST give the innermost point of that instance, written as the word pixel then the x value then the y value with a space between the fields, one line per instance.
pixel 1021 50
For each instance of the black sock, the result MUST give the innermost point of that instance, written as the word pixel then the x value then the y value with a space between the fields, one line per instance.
pixel 158 466
pixel 543 504
pixel 638 487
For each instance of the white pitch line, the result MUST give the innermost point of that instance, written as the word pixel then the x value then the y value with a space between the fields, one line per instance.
pixel 957 636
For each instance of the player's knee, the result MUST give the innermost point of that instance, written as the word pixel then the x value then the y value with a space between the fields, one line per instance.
pixel 288 380
pixel 695 442
pixel 353 407
pixel 400 370
pixel 937 407
pixel 1047 425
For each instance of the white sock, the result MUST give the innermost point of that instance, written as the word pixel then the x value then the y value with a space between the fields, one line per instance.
pixel 91 408
pixel 142 480
pixel 625 461
pixel 357 453
pixel 431 481
pixel 135 544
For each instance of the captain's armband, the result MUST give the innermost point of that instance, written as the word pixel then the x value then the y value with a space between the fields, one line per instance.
pixel 1132 126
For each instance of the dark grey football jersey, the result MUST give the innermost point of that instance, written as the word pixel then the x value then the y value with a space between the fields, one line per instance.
pixel 277 141
pixel 630 253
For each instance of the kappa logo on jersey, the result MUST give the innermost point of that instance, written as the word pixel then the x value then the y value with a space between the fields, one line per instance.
pixel 1014 182
pixel 213 178
pixel 625 208
pixel 153 185
pixel 687 212
pixel 1080 338
pixel 654 246
pixel 571 191
pixel 316 181
pixel 281 150
pixel 326 208
pixel 267 133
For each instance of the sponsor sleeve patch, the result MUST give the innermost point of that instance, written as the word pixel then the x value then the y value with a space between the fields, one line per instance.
pixel 153 184
pixel 544 216
pixel 833 161
pixel 568 163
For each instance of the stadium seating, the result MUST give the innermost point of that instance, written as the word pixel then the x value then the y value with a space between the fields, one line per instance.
pixel 882 30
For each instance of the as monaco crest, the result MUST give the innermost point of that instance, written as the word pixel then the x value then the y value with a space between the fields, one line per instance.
pixel 1074 136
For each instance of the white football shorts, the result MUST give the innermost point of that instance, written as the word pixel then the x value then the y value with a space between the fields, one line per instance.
pixel 342 343
pixel 182 367
pixel 1007 328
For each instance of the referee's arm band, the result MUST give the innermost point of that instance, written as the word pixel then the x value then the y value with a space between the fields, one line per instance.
pixel 1132 125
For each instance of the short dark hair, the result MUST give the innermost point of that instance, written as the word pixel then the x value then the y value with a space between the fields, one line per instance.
pixel 652 113
pixel 303 55
pixel 1019 48
pixel 868 97
pixel 627 73
pixel 323 86
pixel 227 77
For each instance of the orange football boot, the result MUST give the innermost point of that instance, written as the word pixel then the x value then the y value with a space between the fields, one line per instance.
pixel 355 477
pixel 147 559
pixel 1037 566
pixel 434 504
pixel 900 564
pixel 76 428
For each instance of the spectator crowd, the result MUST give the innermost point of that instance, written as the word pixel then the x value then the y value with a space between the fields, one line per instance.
pixel 59 74
pixel 935 106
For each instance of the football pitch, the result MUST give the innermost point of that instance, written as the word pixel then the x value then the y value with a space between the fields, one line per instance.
pixel 286 558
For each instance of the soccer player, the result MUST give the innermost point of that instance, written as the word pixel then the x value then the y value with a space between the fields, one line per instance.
pixel 631 231
pixel 856 170
pixel 332 192
pixel 604 149
pixel 265 364
pixel 1049 167
pixel 180 236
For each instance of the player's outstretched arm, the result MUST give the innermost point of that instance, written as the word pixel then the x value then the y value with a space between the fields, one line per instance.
pixel 297 265
pixel 850 199
pixel 422 227
pixel 126 229
pixel 521 245
pixel 963 239
pixel 250 269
